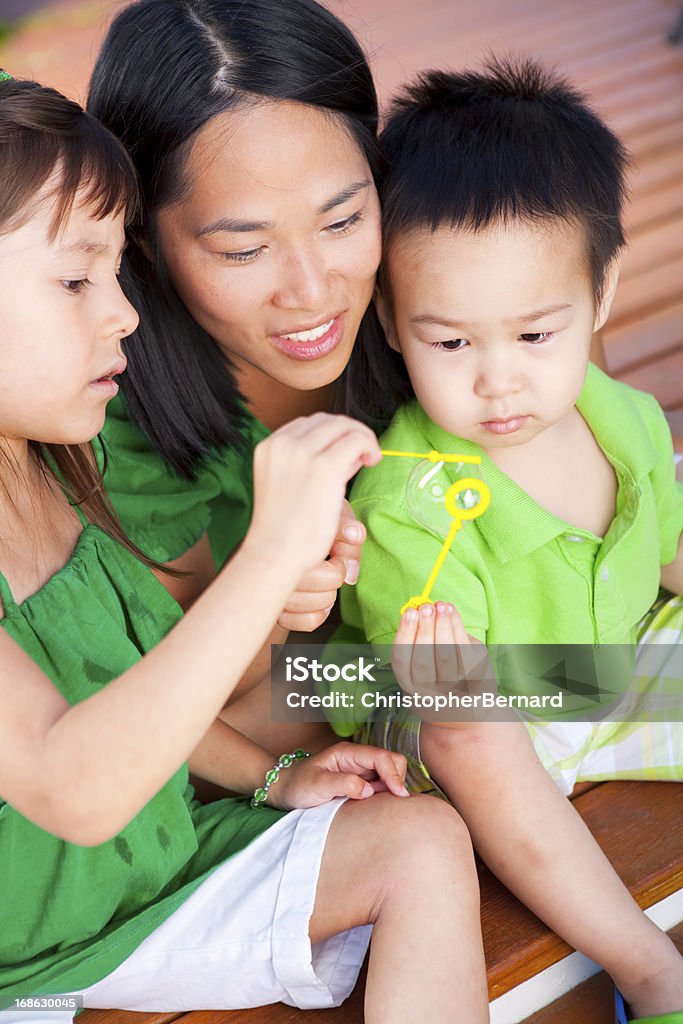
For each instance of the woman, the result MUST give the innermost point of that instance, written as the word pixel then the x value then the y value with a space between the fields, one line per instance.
pixel 252 127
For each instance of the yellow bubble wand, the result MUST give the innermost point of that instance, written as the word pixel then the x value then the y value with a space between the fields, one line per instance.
pixel 459 515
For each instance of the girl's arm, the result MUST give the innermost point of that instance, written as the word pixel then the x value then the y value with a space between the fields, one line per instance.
pixel 84 772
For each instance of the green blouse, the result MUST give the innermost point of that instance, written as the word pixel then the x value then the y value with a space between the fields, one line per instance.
pixel 70 915
pixel 164 513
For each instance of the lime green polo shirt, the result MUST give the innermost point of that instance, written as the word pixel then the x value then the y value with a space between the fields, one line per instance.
pixel 519 574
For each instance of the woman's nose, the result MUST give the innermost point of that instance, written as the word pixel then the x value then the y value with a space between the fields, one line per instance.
pixel 304 283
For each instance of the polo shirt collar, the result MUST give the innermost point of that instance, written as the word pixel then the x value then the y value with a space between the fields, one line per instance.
pixel 514 524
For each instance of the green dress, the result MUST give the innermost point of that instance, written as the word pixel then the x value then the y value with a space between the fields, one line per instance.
pixel 70 915
pixel 164 513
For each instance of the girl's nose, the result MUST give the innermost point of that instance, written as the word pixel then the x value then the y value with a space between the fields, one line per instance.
pixel 126 316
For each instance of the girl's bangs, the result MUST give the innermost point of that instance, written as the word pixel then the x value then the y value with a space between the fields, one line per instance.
pixel 97 173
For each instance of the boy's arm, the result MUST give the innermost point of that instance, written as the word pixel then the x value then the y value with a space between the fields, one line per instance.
pixel 668 494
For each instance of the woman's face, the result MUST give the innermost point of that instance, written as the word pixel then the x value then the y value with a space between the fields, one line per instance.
pixel 275 247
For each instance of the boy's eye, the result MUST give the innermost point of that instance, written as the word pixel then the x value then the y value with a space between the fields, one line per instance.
pixel 75 286
pixel 454 345
pixel 537 337
pixel 244 256
pixel 341 226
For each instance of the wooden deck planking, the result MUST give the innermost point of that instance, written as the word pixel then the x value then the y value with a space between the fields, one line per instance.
pixel 616 52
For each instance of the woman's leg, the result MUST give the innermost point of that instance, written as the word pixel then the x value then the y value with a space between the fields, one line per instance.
pixel 407 867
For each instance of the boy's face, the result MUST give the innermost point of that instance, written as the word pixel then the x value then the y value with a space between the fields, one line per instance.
pixel 495 326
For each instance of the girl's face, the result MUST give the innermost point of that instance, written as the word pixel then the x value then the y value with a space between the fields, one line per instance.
pixel 64 316
pixel 274 249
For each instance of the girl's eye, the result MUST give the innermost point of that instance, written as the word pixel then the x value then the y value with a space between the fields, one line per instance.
pixel 537 338
pixel 245 256
pixel 77 286
pixel 454 345
pixel 340 227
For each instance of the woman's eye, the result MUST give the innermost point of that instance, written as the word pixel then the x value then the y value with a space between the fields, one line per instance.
pixel 535 339
pixel 245 256
pixel 454 345
pixel 75 286
pixel 341 226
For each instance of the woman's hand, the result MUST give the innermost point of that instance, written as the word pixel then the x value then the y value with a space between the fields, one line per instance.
pixel 346 769
pixel 433 654
pixel 313 600
pixel 300 476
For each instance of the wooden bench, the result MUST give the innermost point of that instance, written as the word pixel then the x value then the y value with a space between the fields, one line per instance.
pixel 639 825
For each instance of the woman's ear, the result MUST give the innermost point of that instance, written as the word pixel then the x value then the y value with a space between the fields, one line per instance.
pixel 385 318
pixel 610 286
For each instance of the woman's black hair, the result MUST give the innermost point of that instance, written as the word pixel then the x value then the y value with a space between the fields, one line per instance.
pixel 464 151
pixel 166 67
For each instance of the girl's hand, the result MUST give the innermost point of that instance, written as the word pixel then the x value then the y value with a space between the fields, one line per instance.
pixel 433 654
pixel 346 769
pixel 314 598
pixel 300 476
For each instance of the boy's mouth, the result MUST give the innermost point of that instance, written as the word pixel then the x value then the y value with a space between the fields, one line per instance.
pixel 508 426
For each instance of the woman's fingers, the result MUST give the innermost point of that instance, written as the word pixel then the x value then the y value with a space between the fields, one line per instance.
pixel 365 761
pixel 348 543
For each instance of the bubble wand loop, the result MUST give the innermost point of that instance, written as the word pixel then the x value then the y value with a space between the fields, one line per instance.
pixel 459 515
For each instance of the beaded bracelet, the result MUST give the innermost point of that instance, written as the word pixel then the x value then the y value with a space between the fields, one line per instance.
pixel 285 761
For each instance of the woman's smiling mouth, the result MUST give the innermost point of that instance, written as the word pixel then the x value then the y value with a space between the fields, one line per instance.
pixel 312 342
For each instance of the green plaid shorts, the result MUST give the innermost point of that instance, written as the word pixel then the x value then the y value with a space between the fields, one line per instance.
pixel 571 752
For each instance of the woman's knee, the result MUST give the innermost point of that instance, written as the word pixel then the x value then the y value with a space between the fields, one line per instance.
pixel 387 849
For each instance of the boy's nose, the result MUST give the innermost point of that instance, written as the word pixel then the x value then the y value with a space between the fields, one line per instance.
pixel 497 378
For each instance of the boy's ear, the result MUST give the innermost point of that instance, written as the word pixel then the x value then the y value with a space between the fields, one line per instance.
pixel 386 319
pixel 611 281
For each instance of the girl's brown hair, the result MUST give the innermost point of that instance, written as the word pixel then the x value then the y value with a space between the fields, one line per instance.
pixel 44 134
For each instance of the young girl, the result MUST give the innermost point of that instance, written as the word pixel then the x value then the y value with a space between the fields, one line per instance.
pixel 109 867
pixel 502 214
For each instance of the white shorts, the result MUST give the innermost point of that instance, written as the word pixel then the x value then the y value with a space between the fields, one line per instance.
pixel 241 939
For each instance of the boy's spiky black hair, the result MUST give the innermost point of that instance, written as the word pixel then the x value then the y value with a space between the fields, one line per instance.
pixel 467 150
pixel 514 141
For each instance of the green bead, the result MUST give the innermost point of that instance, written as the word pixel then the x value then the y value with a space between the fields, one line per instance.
pixel 300 754
pixel 286 760
pixel 260 795
pixel 272 776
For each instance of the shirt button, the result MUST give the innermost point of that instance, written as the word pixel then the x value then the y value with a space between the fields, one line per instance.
pixel 605 572
pixel 577 540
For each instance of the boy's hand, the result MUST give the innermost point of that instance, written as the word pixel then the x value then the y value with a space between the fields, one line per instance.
pixel 432 654
pixel 300 475
pixel 346 769
pixel 314 598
